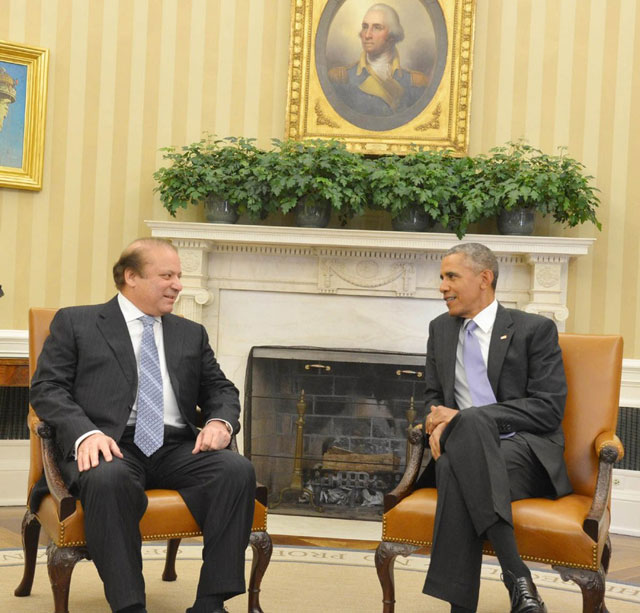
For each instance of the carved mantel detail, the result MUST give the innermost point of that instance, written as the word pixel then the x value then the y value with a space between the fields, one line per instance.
pixel 195 266
pixel 363 263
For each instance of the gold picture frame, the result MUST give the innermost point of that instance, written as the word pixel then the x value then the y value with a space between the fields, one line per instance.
pixel 332 95
pixel 23 105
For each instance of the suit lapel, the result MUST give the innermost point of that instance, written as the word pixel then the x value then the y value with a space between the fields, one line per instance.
pixel 500 340
pixel 172 349
pixel 113 328
pixel 450 346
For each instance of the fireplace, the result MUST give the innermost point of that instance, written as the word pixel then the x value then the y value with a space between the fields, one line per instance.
pixel 326 428
pixel 265 286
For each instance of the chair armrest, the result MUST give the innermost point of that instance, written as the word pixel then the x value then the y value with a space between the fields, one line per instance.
pixel 607 442
pixel 65 502
pixel 609 449
pixel 414 460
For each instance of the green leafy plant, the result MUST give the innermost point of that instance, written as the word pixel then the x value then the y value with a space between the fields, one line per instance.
pixel 321 170
pixel 441 184
pixel 211 167
pixel 519 175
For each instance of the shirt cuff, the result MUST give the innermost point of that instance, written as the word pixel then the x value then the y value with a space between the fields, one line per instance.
pixel 225 422
pixel 80 439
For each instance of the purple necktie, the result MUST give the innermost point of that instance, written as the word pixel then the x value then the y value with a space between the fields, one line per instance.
pixel 475 368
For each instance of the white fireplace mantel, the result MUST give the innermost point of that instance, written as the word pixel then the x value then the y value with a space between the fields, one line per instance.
pixel 218 257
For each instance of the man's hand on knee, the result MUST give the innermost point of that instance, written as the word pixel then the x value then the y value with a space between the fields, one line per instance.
pixel 438 415
pixel 213 436
pixel 90 448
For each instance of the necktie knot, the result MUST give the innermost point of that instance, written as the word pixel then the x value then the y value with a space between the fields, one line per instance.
pixel 471 326
pixel 147 320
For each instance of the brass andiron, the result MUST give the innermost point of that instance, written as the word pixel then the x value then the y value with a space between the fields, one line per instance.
pixel 411 416
pixel 296 485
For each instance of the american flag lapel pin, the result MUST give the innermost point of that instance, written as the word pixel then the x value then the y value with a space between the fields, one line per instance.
pixel 503 337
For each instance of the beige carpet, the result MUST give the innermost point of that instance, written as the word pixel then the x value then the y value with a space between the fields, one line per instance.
pixel 298 580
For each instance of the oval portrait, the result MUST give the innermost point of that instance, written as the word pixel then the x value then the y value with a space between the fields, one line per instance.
pixel 380 63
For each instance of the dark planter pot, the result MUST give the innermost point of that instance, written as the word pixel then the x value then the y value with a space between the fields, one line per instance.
pixel 217 210
pixel 517 221
pixel 412 219
pixel 312 214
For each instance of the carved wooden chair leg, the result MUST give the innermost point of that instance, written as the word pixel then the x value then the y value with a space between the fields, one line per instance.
pixel 592 584
pixel 60 564
pixel 169 572
pixel 30 535
pixel 606 555
pixel 262 547
pixel 386 554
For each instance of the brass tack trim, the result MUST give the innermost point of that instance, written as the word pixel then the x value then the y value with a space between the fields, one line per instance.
pixel 551 561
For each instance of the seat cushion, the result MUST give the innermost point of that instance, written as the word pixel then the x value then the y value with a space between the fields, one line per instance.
pixel 166 517
pixel 548 531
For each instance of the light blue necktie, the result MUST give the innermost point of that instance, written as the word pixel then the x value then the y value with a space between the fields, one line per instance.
pixel 149 432
pixel 475 368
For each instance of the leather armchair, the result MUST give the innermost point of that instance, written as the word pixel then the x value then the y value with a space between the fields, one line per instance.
pixel 61 516
pixel 571 533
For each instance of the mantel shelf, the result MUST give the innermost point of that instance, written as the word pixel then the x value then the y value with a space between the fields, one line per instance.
pixel 364 239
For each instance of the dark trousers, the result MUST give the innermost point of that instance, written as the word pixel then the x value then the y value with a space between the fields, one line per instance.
pixel 477 477
pixel 217 486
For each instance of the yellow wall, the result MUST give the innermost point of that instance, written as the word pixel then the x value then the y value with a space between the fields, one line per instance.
pixel 127 77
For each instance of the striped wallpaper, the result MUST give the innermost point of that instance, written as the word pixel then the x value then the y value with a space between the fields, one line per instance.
pixel 127 77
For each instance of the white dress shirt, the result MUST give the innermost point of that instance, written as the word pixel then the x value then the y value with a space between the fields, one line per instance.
pixel 485 320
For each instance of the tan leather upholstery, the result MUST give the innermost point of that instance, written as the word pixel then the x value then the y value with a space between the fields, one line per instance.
pixel 166 518
pixel 569 532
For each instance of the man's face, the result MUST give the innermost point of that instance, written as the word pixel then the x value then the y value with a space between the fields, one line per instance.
pixel 375 34
pixel 156 290
pixel 465 291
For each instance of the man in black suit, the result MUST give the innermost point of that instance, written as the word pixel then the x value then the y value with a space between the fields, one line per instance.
pixel 89 386
pixel 495 394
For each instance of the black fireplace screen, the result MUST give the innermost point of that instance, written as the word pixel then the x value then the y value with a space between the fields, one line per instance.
pixel 326 428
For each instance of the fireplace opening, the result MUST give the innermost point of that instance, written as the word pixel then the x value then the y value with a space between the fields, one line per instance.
pixel 326 429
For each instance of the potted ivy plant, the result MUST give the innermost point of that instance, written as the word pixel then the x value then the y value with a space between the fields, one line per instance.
pixel 520 179
pixel 217 172
pixel 411 188
pixel 313 177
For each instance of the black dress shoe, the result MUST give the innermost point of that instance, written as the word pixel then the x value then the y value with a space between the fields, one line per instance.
pixel 216 610
pixel 524 595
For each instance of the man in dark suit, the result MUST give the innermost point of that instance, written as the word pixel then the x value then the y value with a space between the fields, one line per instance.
pixel 495 393
pixel 120 382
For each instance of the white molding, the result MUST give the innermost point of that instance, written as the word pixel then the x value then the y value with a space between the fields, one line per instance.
pixel 14 344
pixel 364 239
pixel 14 472
pixel 625 502
pixel 630 389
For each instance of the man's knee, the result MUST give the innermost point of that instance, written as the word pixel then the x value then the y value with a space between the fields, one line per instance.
pixel 107 478
pixel 475 422
pixel 241 469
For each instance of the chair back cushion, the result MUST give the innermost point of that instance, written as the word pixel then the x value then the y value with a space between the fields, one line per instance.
pixel 593 366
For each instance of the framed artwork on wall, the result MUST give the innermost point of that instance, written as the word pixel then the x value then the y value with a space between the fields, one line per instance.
pixel 23 101
pixel 381 76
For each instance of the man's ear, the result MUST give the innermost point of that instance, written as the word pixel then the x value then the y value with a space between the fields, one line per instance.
pixel 487 278
pixel 130 277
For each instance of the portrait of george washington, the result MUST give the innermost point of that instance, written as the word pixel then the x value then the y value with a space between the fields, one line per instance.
pixel 380 63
